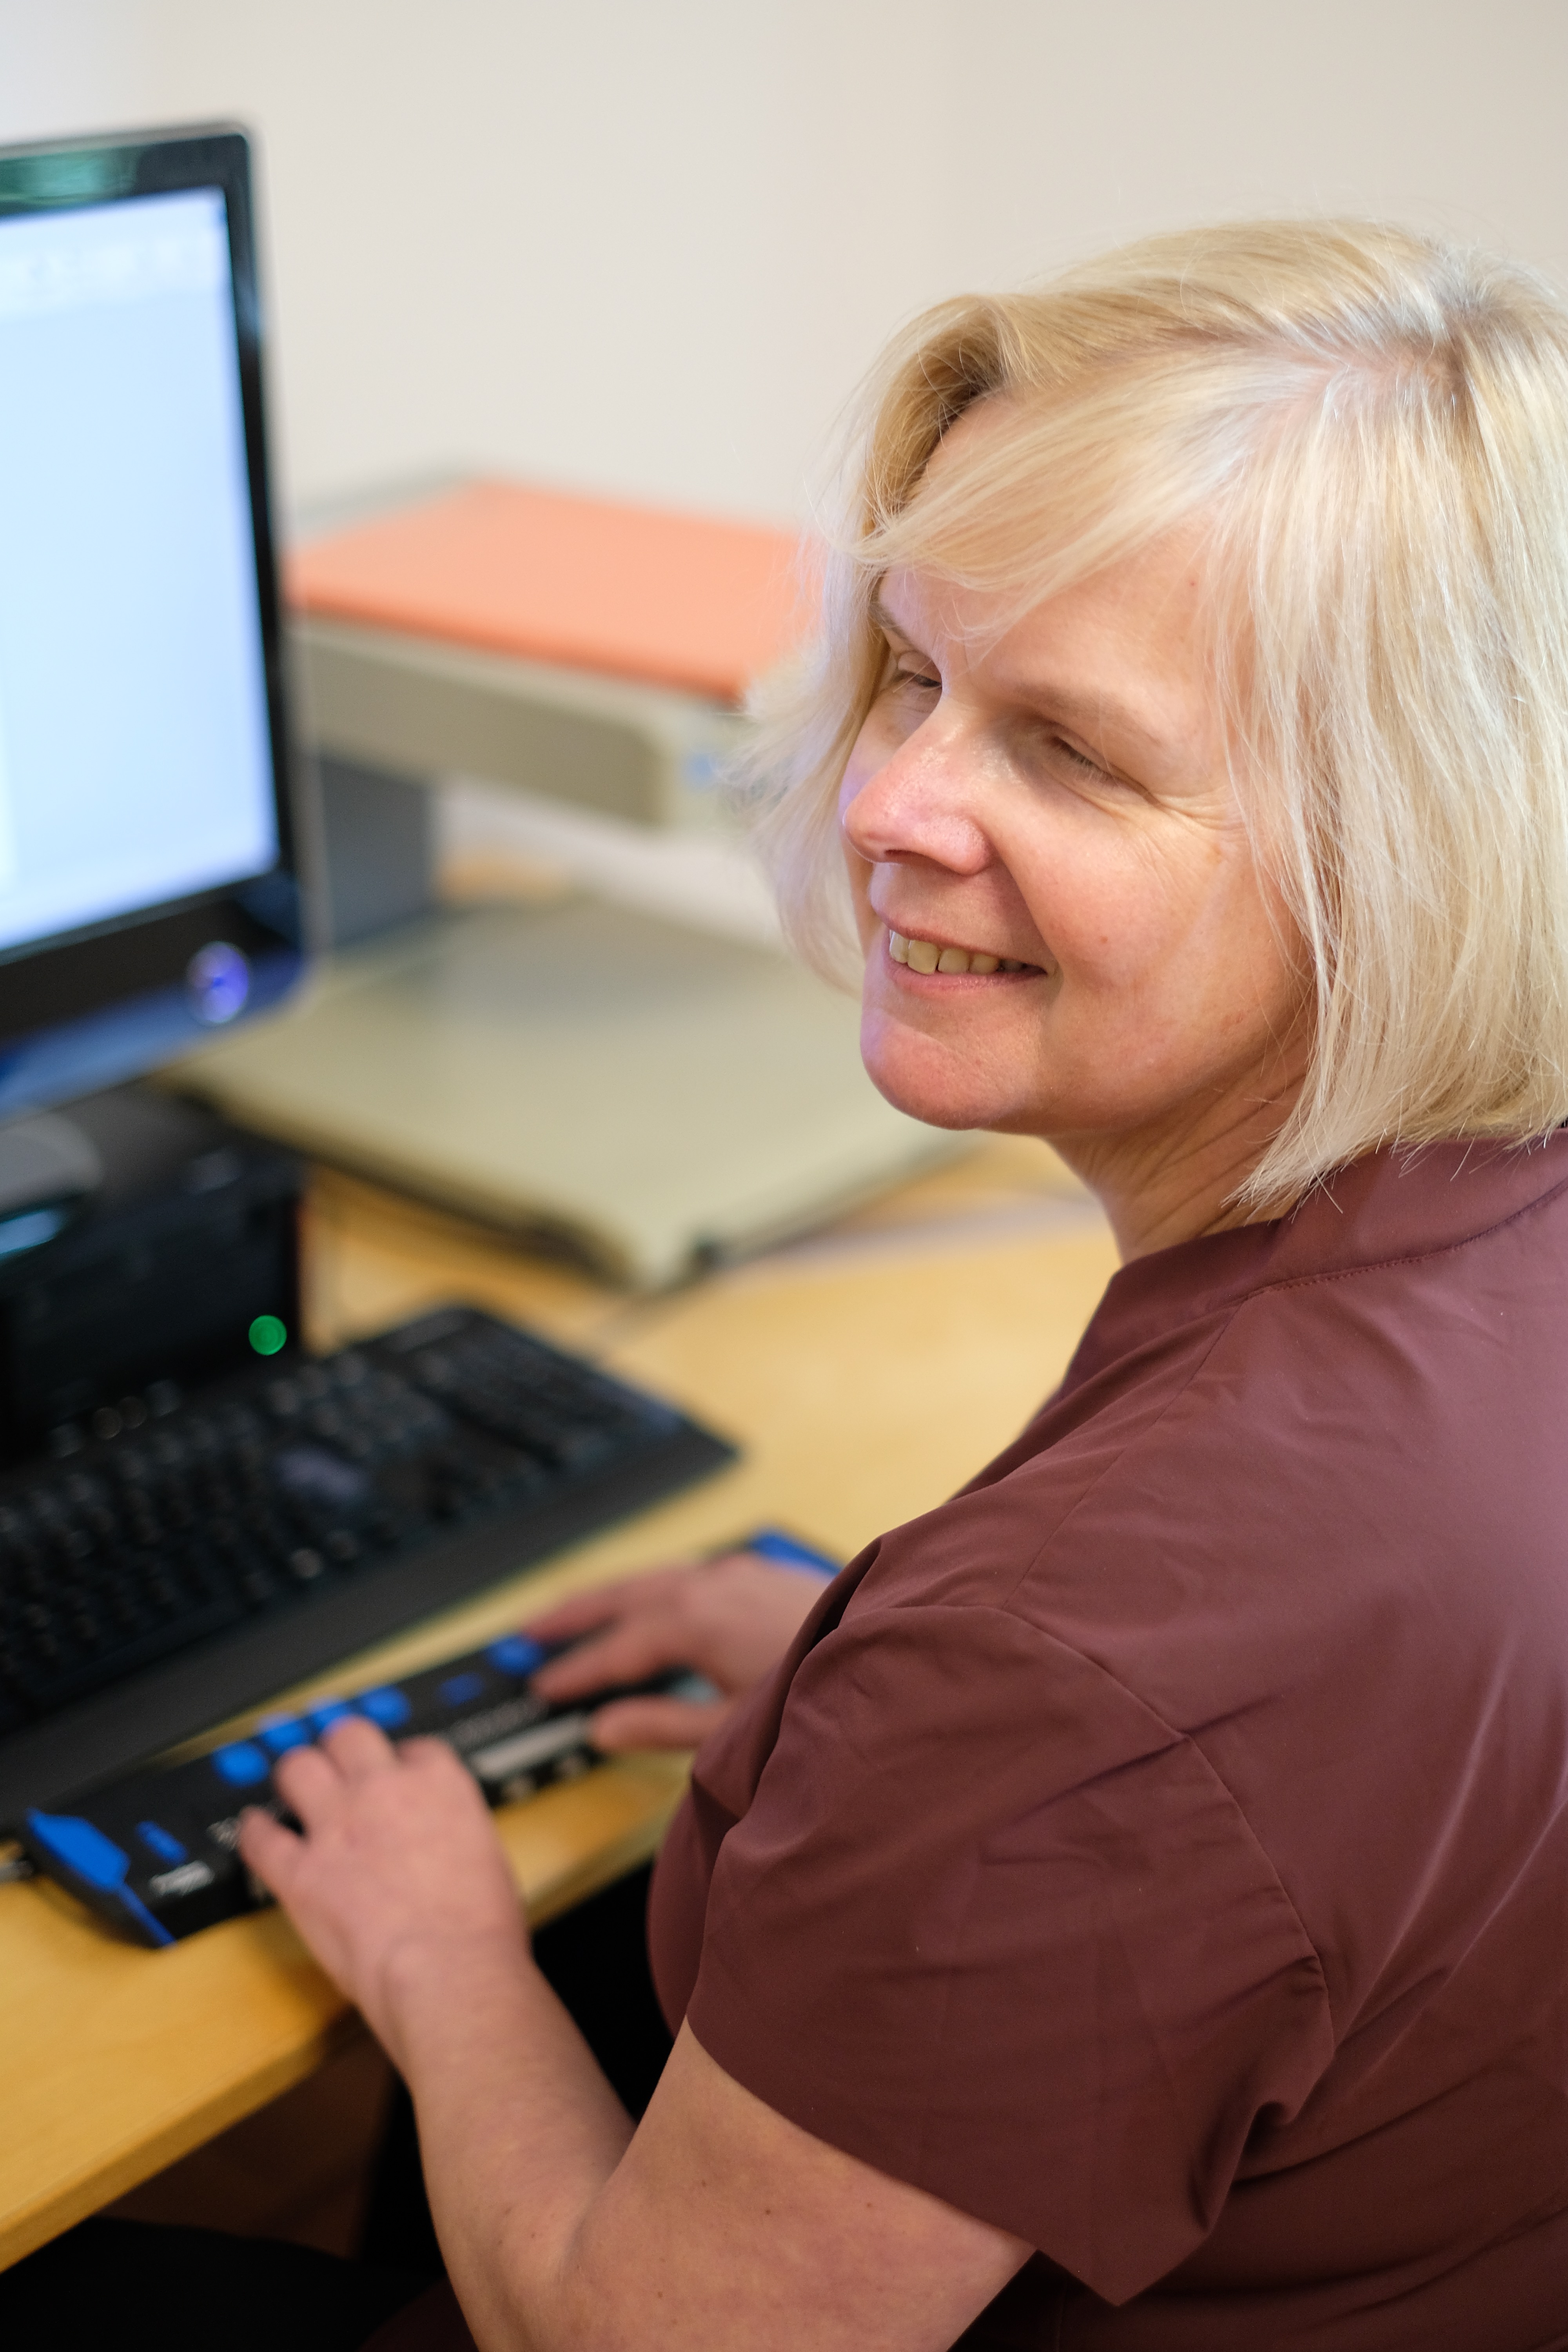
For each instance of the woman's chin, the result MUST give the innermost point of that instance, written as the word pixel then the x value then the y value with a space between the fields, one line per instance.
pixel 928 1081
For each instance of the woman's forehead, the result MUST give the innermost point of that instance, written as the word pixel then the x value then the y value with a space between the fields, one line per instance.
pixel 1034 495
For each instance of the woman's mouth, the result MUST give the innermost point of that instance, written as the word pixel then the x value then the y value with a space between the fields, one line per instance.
pixel 926 956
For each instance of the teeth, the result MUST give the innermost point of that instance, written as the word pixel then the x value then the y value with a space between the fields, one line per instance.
pixel 924 955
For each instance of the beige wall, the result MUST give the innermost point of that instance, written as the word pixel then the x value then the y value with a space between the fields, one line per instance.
pixel 649 244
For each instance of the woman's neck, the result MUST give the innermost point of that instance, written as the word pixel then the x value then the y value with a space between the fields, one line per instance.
pixel 1178 1177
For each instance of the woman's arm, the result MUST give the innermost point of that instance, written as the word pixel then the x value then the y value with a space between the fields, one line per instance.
pixel 718 2222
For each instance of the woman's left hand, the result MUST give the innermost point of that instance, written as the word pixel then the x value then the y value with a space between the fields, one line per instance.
pixel 398 1853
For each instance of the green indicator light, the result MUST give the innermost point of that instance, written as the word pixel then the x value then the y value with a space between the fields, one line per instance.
pixel 267 1335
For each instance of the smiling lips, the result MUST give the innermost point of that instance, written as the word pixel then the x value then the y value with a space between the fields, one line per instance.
pixel 925 955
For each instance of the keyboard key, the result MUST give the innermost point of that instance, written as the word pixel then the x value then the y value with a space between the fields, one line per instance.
pixel 278 1733
pixel 459 1690
pixel 242 1764
pixel 161 1843
pixel 388 1706
pixel 516 1654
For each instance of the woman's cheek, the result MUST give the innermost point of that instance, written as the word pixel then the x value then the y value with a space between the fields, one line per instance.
pixel 863 764
pixel 869 753
pixel 859 874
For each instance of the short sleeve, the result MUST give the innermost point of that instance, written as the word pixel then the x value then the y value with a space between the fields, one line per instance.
pixel 991 1927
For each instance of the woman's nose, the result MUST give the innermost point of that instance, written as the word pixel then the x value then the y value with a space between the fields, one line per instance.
pixel 917 804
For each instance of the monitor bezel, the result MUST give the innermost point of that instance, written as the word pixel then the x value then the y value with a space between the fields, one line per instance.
pixel 57 986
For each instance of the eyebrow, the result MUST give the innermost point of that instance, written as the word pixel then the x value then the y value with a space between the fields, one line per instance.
pixel 1086 714
pixel 882 619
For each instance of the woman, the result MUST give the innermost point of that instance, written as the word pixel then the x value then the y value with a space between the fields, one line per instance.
pixel 1131 1910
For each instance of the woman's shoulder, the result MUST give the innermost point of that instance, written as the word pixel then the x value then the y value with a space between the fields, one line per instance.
pixel 1295 1422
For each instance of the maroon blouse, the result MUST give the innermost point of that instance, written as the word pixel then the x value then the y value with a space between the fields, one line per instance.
pixel 1160 1850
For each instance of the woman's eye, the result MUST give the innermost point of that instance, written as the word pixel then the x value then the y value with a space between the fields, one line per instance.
pixel 1073 758
pixel 918 678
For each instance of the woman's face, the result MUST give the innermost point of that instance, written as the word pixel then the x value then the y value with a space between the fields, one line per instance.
pixel 1056 798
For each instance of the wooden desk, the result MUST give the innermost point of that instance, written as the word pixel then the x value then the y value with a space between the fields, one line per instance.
pixel 868 1373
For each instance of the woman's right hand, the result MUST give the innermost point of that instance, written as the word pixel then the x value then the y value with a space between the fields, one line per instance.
pixel 730 1619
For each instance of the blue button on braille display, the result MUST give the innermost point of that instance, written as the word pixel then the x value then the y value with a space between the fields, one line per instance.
pixel 242 1764
pixel 97 1861
pixel 161 1842
pixel 281 1732
pixel 516 1654
pixel 81 1846
pixel 331 1711
pixel 459 1690
pixel 386 1707
pixel 772 1543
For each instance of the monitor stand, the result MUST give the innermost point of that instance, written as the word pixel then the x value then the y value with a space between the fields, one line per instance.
pixel 49 1170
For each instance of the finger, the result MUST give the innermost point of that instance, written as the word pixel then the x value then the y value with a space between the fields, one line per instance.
pixel 626 1652
pixel 429 1754
pixel 656 1723
pixel 265 1847
pixel 632 1596
pixel 583 1611
pixel 308 1781
pixel 358 1747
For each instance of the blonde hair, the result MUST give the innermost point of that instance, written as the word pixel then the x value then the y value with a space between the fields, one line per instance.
pixel 1370 429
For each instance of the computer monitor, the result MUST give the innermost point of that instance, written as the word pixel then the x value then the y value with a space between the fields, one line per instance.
pixel 148 882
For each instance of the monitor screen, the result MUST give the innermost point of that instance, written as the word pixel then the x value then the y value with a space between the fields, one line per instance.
pixel 146 882
pixel 134 762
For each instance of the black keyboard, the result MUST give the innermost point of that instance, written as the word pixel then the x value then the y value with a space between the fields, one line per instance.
pixel 187 1554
